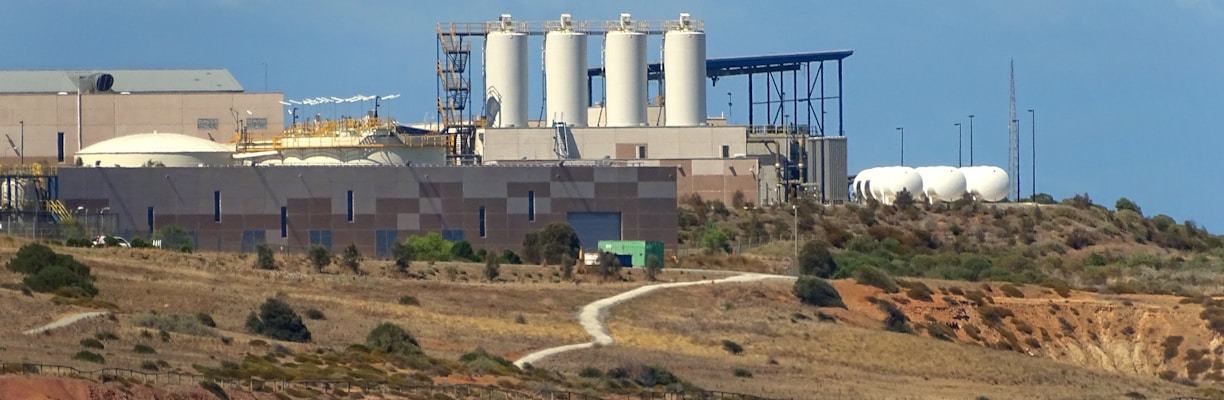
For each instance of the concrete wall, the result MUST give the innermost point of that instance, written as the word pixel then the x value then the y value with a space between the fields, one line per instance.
pixel 398 201
pixel 109 115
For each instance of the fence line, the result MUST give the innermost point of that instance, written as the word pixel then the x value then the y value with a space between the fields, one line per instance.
pixel 344 386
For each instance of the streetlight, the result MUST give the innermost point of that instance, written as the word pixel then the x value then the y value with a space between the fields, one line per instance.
pixel 22 155
pixel 795 211
pixel 960 140
pixel 902 129
pixel 971 163
pixel 1018 174
pixel 728 108
pixel 1033 152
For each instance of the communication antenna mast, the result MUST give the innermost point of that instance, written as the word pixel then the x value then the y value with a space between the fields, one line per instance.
pixel 1013 134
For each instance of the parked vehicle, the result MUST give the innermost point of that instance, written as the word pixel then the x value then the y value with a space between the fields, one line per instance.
pixel 101 241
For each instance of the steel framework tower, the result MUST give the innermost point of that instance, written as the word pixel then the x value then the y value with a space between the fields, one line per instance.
pixel 1013 134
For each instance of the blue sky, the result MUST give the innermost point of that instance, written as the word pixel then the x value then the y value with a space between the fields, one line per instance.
pixel 1125 91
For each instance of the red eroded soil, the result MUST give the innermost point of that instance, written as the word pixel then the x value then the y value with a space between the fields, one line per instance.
pixel 29 387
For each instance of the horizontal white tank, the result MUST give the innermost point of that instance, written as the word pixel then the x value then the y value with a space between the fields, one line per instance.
pixel 883 184
pixel 506 79
pixel 565 69
pixel 942 183
pixel 625 75
pixel 986 183
pixel 684 70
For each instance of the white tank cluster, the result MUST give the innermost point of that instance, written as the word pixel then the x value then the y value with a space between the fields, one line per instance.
pixel 931 184
pixel 625 72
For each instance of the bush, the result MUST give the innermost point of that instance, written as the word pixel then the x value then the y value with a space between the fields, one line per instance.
pixel 742 373
pixel 314 314
pixel 149 366
pixel 206 320
pixel 409 300
pixel 590 372
pixel 389 338
pixel 319 257
pixel 1059 286
pixel 492 270
pixel 92 343
pixel 732 347
pixel 431 247
pixel 265 258
pixel 941 331
pixel 550 244
pixel 1127 204
pixel 815 259
pixel 462 250
pixel 215 389
pixel 509 257
pixel 714 239
pixel 181 323
pixel 652 267
pixel 1010 290
pixel 481 362
pixel 919 291
pixel 89 356
pixel 47 271
pixel 895 320
pixel 994 315
pixel 350 259
pixel 143 349
pixel 106 335
pixel 1079 239
pixel 872 276
pixel 1170 345
pixel 403 255
pixel 277 320
pixel 817 292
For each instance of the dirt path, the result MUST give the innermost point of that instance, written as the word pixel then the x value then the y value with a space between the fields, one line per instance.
pixel 69 320
pixel 592 314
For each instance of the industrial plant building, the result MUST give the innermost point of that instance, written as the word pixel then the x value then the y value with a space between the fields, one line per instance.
pixel 608 156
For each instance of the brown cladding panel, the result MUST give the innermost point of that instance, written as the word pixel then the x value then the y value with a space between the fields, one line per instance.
pixel 520 189
pixel 574 174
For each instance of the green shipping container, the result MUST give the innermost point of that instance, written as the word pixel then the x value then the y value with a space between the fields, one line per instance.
pixel 639 250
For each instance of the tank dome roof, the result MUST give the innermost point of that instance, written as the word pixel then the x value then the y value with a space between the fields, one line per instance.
pixel 155 143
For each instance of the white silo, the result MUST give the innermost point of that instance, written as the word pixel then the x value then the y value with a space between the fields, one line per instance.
pixel 942 183
pixel 565 68
pixel 684 73
pixel 625 74
pixel 506 75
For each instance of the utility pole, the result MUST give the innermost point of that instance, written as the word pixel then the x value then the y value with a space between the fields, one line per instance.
pixel 902 129
pixel 960 140
pixel 795 211
pixel 1013 139
pixel 1033 153
pixel 970 140
pixel 22 155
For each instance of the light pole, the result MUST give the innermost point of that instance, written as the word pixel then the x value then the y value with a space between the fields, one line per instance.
pixel 22 155
pixel 795 211
pixel 960 140
pixel 1033 152
pixel 1018 174
pixel 970 140
pixel 728 108
pixel 902 129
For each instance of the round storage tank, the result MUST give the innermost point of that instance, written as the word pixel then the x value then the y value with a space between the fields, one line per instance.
pixel 565 66
pixel 156 149
pixel 625 69
pixel 942 183
pixel 986 183
pixel 506 78
pixel 684 72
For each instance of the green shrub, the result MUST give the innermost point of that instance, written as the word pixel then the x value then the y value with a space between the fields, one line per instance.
pixel 872 276
pixel 431 247
pixel 180 323
pixel 590 372
pixel 492 270
pixel 106 335
pixel 149 366
pixel 481 362
pixel 350 259
pixel 973 331
pixel 919 291
pixel 409 300
pixel 742 373
pixel 1022 326
pixel 89 356
pixel 206 320
pixel 319 257
pixel 1059 286
pixel 314 314
pixel 994 315
pixel 215 389
pixel 143 349
pixel 47 271
pixel 389 338
pixel 265 258
pixel 92 343
pixel 403 254
pixel 1010 290
pixel 895 320
pixel 732 347
pixel 815 259
pixel 941 331
pixel 277 320
pixel 1170 345
pixel 817 292
pixel 462 250
pixel 652 267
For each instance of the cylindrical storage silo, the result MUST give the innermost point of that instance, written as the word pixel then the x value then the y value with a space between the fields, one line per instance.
pixel 942 183
pixel 625 77
pixel 506 79
pixel 565 66
pixel 684 74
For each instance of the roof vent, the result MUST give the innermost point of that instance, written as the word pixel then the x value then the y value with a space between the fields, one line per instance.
pixel 506 23
pixel 96 83
pixel 626 23
pixel 684 22
pixel 567 22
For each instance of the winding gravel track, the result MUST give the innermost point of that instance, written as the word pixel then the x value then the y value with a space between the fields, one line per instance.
pixel 62 322
pixel 591 316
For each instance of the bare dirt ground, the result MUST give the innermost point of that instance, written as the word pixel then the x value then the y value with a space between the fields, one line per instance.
pixel 787 350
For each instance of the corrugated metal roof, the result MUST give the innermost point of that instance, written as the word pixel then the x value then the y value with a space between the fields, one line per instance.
pixel 126 80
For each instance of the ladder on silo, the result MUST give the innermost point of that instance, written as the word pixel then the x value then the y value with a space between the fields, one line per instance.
pixel 453 80
pixel 561 140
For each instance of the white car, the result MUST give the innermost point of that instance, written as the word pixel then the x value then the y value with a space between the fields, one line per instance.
pixel 100 241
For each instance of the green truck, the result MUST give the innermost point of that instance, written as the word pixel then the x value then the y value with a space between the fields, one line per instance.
pixel 635 250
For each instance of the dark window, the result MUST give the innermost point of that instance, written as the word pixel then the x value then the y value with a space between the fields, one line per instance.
pixel 482 221
pixel 150 219
pixel 350 206
pixel 60 146
pixel 207 124
pixel 641 151
pixel 531 205
pixel 257 123
pixel 726 151
pixel 216 206
pixel 284 221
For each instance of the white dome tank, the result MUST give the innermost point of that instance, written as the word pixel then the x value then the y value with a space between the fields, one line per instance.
pixel 684 70
pixel 884 183
pixel 625 72
pixel 862 185
pixel 942 183
pixel 565 69
pixel 506 75
pixel 986 183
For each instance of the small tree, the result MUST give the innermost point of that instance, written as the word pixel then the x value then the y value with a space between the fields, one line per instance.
pixel 817 292
pixel 351 258
pixel 715 239
pixel 430 247
pixel 567 267
pixel 492 270
pixel 904 200
pixel 462 250
pixel 653 265
pixel 264 259
pixel 403 255
pixel 1127 204
pixel 815 259
pixel 320 257
pixel 277 320
pixel 389 338
pixel 609 265
pixel 508 257
pixel 549 244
